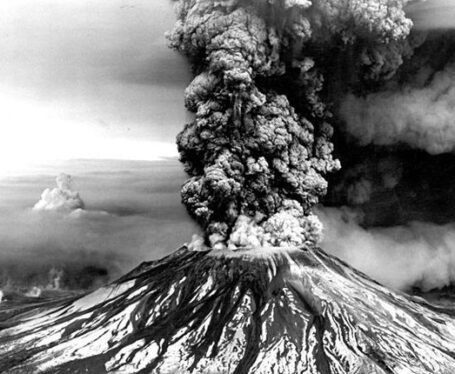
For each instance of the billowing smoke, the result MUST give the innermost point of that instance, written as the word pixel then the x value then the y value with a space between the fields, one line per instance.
pixel 422 117
pixel 418 254
pixel 259 147
pixel 283 89
pixel 413 106
pixel 62 198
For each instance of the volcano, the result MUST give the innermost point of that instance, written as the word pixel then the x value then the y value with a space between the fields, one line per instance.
pixel 269 310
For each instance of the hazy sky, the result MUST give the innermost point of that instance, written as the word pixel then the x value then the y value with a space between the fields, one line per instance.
pixel 432 14
pixel 95 79
pixel 132 214
pixel 88 79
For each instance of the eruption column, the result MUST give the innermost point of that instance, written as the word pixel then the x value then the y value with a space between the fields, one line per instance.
pixel 257 162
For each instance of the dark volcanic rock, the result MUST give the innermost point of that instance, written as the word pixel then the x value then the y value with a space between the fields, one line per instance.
pixel 259 311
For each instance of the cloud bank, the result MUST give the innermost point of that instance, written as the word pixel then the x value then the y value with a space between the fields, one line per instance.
pixel 419 254
pixel 421 117
pixel 132 214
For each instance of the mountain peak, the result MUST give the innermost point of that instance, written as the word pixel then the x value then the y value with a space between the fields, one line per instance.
pixel 270 310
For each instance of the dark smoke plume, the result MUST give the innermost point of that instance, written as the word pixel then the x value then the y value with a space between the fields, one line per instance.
pixel 259 147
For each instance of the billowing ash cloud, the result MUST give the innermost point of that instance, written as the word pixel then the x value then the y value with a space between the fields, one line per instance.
pixel 418 254
pixel 421 117
pixel 62 198
pixel 259 146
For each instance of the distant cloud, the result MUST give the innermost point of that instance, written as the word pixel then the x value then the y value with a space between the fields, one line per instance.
pixel 132 214
pixel 61 198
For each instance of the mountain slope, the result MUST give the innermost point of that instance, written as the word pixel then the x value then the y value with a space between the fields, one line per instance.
pixel 263 311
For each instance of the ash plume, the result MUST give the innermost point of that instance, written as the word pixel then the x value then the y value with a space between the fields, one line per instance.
pixel 61 198
pixel 421 117
pixel 425 250
pixel 259 147
pixel 413 106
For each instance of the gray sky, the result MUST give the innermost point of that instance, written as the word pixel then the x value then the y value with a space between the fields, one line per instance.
pixel 95 79
pixel 432 14
pixel 88 79
pixel 132 213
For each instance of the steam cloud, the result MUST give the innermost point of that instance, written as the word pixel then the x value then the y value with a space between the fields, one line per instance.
pixel 419 254
pixel 421 117
pixel 62 198
pixel 257 151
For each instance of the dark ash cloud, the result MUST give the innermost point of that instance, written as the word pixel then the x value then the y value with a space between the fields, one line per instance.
pixel 257 153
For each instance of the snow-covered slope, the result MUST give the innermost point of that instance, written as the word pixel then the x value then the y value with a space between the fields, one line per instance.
pixel 263 311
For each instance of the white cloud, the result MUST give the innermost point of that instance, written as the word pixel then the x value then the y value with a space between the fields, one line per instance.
pixel 132 214
pixel 418 254
pixel 421 117
pixel 62 198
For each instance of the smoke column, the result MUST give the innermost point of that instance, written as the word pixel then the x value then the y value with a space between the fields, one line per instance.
pixel 259 147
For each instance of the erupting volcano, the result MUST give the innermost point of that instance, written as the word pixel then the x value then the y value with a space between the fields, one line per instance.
pixel 295 103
